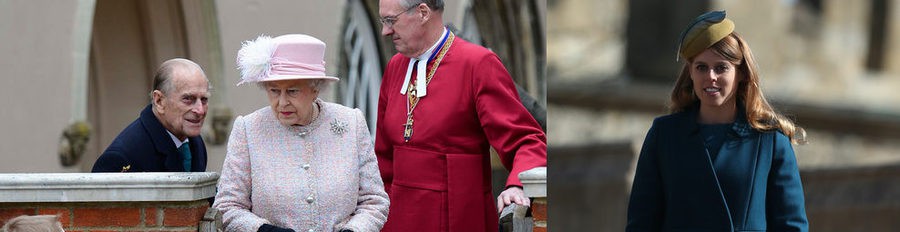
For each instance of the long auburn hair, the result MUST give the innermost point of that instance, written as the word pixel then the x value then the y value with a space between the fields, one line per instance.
pixel 759 112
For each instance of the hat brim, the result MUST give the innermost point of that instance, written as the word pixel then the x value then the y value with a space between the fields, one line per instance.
pixel 291 77
pixel 297 77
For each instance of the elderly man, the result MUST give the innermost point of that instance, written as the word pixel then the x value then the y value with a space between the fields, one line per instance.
pixel 166 136
pixel 443 103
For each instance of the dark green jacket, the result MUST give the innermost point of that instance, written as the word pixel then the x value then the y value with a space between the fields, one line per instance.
pixel 753 185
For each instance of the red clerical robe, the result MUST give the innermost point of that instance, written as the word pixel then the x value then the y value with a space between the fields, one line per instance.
pixel 440 179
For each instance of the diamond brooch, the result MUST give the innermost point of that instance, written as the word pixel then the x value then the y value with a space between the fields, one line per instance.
pixel 338 128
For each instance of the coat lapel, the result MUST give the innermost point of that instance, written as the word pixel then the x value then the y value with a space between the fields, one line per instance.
pixel 161 140
pixel 198 154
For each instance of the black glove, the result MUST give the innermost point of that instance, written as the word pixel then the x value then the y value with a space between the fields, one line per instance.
pixel 271 228
pixel 346 230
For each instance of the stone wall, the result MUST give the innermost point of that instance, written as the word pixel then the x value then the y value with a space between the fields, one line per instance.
pixel 808 51
pixel 589 186
pixel 853 199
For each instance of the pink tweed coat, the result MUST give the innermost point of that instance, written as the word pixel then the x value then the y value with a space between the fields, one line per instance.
pixel 318 177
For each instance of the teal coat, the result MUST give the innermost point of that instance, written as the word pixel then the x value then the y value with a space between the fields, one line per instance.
pixel 753 185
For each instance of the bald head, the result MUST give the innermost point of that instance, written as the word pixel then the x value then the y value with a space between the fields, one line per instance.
pixel 177 67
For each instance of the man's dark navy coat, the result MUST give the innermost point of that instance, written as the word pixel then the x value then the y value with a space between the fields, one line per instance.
pixel 147 147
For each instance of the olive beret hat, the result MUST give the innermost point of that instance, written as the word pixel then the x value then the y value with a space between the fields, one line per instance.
pixel 704 31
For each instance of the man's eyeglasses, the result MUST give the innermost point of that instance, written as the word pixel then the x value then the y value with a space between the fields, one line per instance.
pixel 390 20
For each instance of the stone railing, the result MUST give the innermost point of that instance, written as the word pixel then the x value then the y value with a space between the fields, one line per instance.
pixel 111 201
pixel 534 183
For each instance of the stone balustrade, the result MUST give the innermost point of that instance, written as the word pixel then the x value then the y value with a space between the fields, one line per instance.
pixel 111 201
pixel 156 201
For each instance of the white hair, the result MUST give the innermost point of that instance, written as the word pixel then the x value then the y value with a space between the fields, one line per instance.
pixel 433 4
pixel 36 223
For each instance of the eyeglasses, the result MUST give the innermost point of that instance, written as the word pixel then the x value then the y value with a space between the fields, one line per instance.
pixel 390 20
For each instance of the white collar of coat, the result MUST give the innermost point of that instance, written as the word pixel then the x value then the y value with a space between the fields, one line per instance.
pixel 420 70
pixel 175 139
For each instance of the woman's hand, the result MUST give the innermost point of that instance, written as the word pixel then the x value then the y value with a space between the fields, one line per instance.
pixel 271 228
pixel 513 194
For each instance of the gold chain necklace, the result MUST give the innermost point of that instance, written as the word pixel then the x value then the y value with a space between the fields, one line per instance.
pixel 412 100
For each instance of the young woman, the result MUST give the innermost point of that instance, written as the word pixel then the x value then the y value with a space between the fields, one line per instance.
pixel 723 160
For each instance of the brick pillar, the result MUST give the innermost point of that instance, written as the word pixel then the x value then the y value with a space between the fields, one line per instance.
pixel 534 182
pixel 539 214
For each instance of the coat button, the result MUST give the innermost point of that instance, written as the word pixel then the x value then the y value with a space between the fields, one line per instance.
pixel 306 167
pixel 310 199
pixel 311 230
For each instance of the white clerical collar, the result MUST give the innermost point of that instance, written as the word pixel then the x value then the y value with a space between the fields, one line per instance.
pixel 421 68
pixel 175 139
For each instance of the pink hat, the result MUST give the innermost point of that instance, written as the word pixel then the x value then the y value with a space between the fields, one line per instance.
pixel 286 57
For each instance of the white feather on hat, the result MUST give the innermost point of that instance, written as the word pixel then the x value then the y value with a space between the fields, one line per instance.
pixel 254 59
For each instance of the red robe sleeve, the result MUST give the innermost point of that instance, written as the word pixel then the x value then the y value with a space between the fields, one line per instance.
pixel 510 129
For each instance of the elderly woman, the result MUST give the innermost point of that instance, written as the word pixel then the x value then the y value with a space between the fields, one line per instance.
pixel 300 164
